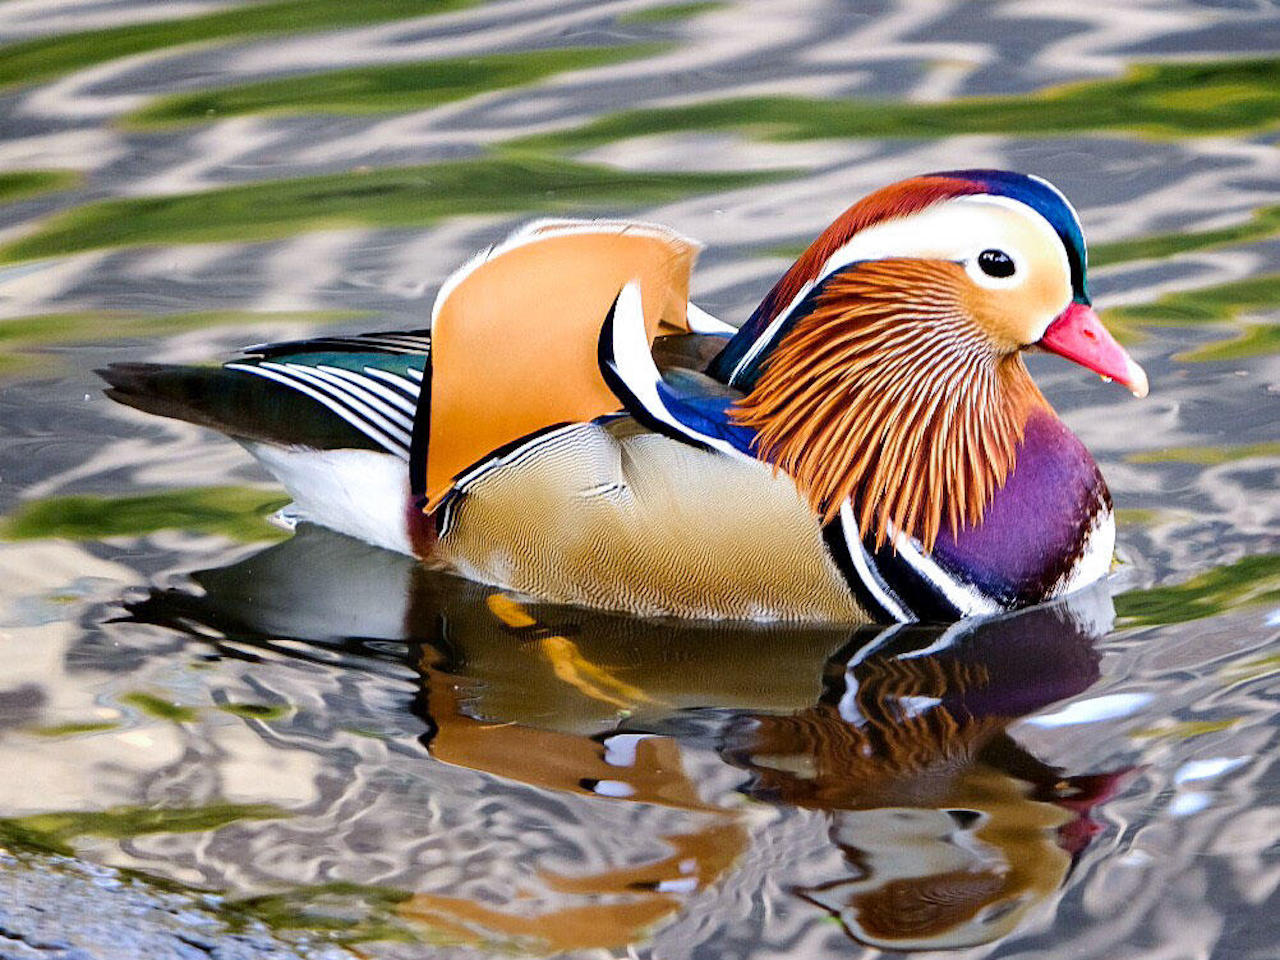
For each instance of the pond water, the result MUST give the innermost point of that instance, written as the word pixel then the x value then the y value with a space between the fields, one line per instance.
pixel 345 748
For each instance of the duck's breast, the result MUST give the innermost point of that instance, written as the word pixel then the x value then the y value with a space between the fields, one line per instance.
pixel 1049 530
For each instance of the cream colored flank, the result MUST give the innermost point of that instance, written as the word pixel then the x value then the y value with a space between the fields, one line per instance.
pixel 616 517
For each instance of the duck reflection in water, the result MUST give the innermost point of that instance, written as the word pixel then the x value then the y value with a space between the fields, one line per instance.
pixel 935 828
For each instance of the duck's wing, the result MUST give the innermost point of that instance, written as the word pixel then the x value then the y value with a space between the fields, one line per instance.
pixel 515 333
pixel 328 393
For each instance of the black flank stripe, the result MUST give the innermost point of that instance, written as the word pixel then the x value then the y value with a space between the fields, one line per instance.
pixel 912 588
pixel 833 537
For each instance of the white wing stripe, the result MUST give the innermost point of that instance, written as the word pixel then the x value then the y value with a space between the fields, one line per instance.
pixel 345 392
pixel 390 343
pixel 330 403
pixel 407 387
pixel 356 396
pixel 377 390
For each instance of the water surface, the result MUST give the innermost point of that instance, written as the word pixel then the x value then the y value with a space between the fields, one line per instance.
pixel 343 747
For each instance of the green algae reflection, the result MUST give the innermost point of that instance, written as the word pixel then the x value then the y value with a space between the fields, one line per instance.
pixel 52 832
pixel 1207 456
pixel 263 712
pixel 21 184
pixel 1262 225
pixel 23 339
pixel 235 512
pixel 350 912
pixel 406 196
pixel 1159 100
pixel 397 87
pixel 1248 581
pixel 1223 305
pixel 159 708
pixel 671 14
pixel 73 728
pixel 45 58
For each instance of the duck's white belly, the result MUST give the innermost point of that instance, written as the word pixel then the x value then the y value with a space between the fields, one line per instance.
pixel 357 492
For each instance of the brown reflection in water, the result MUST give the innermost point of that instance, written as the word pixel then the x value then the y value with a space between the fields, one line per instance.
pixel 951 832
pixel 940 829
pixel 572 762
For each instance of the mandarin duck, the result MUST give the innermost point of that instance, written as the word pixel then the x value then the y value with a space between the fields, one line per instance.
pixel 867 446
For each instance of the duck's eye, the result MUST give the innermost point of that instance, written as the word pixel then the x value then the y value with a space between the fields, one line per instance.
pixel 995 263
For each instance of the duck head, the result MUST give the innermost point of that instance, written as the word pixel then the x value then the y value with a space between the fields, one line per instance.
pixel 885 367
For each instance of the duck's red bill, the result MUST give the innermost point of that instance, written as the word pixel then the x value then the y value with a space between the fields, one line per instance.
pixel 1079 335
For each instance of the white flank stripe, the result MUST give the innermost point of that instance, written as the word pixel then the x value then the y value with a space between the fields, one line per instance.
pixel 862 564
pixel 550 438
pixel 965 598
pixel 464 481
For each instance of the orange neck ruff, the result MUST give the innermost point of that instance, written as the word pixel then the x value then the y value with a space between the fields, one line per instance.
pixel 890 394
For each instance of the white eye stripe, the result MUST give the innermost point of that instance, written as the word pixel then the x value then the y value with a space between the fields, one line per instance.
pixel 959 230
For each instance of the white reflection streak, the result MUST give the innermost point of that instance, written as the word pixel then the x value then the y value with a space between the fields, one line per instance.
pixel 42 18
pixel 1207 769
pixel 1113 706
pixel 725 40
pixel 885 38
pixel 213 150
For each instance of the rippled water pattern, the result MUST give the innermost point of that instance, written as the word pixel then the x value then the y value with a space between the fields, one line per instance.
pixel 404 764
